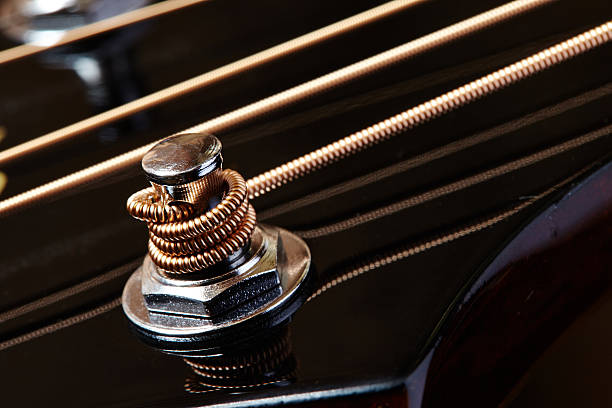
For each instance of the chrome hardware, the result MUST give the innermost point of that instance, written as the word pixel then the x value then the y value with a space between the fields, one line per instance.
pixel 265 277
pixel 44 22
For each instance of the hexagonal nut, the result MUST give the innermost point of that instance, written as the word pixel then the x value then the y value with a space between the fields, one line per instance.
pixel 252 284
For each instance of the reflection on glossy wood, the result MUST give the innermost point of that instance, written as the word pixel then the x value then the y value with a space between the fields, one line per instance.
pixel 504 327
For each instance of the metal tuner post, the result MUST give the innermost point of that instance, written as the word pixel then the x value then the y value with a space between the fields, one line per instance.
pixel 212 276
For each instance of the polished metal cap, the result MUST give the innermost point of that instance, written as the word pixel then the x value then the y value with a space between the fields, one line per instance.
pixel 183 158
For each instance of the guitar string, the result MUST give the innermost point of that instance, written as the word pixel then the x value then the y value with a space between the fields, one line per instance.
pixel 60 295
pixel 350 185
pixel 368 266
pixel 456 186
pixel 275 102
pixel 372 265
pixel 528 119
pixel 99 27
pixel 209 78
pixel 438 153
pixel 402 89
pixel 357 141
pixel 62 324
pixel 424 112
pixel 43 331
pixel 354 221
pixel 403 252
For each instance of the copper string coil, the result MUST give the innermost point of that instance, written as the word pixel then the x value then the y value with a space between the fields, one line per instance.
pixel 183 240
pixel 204 241
pixel 180 264
pixel 235 198
pixel 145 205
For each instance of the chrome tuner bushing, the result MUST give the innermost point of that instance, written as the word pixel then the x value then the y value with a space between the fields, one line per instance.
pixel 212 273
pixel 44 22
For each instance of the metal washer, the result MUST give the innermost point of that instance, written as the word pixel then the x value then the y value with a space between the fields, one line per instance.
pixel 294 274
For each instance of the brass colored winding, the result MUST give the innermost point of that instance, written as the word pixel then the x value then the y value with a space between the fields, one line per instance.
pixel 144 205
pixel 184 239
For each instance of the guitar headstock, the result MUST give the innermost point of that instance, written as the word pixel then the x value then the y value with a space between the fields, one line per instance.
pixel 447 253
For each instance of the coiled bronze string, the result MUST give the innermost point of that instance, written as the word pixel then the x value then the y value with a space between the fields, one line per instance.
pixel 186 238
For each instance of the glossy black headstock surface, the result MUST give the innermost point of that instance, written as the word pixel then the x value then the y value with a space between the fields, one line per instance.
pixel 370 332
